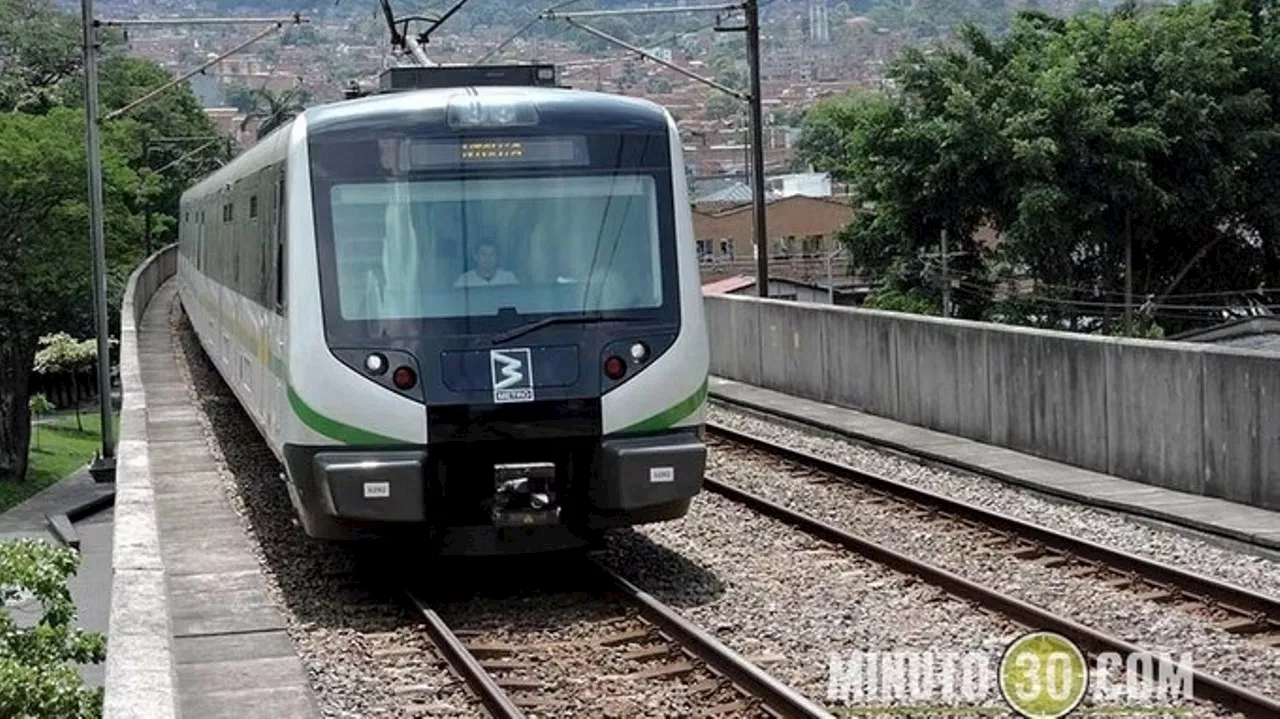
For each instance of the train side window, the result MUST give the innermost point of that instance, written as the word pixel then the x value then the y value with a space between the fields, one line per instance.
pixel 279 236
pixel 253 207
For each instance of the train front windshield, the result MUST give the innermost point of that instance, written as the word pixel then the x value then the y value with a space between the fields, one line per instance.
pixel 475 235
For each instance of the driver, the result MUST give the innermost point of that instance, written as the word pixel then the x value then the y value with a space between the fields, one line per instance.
pixel 486 270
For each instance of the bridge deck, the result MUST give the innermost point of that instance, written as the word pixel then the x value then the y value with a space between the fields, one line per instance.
pixel 230 650
pixel 1214 516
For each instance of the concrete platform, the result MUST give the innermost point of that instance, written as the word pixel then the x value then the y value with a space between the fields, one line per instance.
pixel 1207 515
pixel 229 653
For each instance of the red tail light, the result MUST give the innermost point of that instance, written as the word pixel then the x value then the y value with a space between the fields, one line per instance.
pixel 404 378
pixel 614 368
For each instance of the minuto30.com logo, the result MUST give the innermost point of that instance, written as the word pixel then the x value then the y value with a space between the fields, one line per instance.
pixel 1040 675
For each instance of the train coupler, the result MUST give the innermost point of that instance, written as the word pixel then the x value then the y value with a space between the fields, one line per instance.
pixel 524 495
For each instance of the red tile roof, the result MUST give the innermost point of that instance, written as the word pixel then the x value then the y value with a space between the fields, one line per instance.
pixel 728 284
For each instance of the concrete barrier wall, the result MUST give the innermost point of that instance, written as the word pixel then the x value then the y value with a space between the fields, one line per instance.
pixel 140 677
pixel 1191 417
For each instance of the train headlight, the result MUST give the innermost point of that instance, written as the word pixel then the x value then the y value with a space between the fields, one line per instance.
pixel 375 363
pixel 639 352
pixel 491 111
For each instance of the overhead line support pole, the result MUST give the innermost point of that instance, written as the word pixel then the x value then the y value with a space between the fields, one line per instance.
pixel 757 149
pixel 103 467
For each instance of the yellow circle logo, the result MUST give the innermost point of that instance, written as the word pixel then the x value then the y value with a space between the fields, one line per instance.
pixel 1043 675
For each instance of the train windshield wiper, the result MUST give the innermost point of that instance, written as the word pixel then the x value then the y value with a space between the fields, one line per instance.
pixel 558 320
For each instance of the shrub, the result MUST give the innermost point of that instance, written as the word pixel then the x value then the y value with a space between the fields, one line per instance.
pixel 38 676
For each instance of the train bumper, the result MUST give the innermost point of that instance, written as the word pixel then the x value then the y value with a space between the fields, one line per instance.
pixel 372 486
pixel 348 493
pixel 646 479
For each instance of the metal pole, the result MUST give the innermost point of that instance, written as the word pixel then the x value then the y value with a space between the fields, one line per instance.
pixel 146 211
pixel 757 148
pixel 831 283
pixel 1128 275
pixel 946 279
pixel 103 468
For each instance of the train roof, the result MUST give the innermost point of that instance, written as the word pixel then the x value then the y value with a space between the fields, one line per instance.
pixel 408 108
pixel 553 105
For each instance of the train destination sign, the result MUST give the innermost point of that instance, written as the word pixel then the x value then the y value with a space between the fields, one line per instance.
pixel 435 153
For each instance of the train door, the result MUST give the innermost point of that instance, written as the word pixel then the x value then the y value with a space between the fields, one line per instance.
pixel 226 270
pixel 249 335
pixel 277 323
pixel 201 283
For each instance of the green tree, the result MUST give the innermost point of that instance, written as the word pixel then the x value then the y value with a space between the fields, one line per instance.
pixel 274 109
pixel 1150 129
pixel 45 267
pixel 173 113
pixel 39 47
pixel 37 673
pixel 39 406
pixel 62 354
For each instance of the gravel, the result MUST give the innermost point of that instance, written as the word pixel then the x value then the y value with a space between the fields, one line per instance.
pixel 790 602
pixel 783 599
pixel 1156 627
pixel 1170 547
pixel 567 645
pixel 364 651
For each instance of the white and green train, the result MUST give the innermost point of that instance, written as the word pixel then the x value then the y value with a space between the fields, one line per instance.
pixel 469 315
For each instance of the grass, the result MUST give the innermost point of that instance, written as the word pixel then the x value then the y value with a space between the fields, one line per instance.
pixel 63 450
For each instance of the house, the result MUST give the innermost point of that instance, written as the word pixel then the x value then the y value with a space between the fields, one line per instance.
pixel 781 288
pixel 1252 333
pixel 802 230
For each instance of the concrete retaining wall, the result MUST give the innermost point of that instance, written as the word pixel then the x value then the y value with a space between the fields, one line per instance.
pixel 1191 417
pixel 140 677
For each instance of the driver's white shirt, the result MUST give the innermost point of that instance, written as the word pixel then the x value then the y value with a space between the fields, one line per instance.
pixel 471 278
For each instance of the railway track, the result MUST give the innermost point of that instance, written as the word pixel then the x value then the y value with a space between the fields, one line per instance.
pixel 512 677
pixel 1238 610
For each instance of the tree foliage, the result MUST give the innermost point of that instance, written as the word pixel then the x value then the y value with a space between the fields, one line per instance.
pixel 1071 138
pixel 38 48
pixel 273 109
pixel 62 354
pixel 37 673
pixel 45 261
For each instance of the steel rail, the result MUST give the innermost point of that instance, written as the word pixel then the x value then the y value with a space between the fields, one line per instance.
pixel 1264 609
pixel 1222 692
pixel 494 699
pixel 780 698
pixel 952 464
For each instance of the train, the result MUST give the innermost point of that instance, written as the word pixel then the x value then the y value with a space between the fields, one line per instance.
pixel 462 310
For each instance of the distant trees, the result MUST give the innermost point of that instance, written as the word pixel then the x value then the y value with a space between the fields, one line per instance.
pixel 1147 133
pixel 273 109
pixel 64 357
